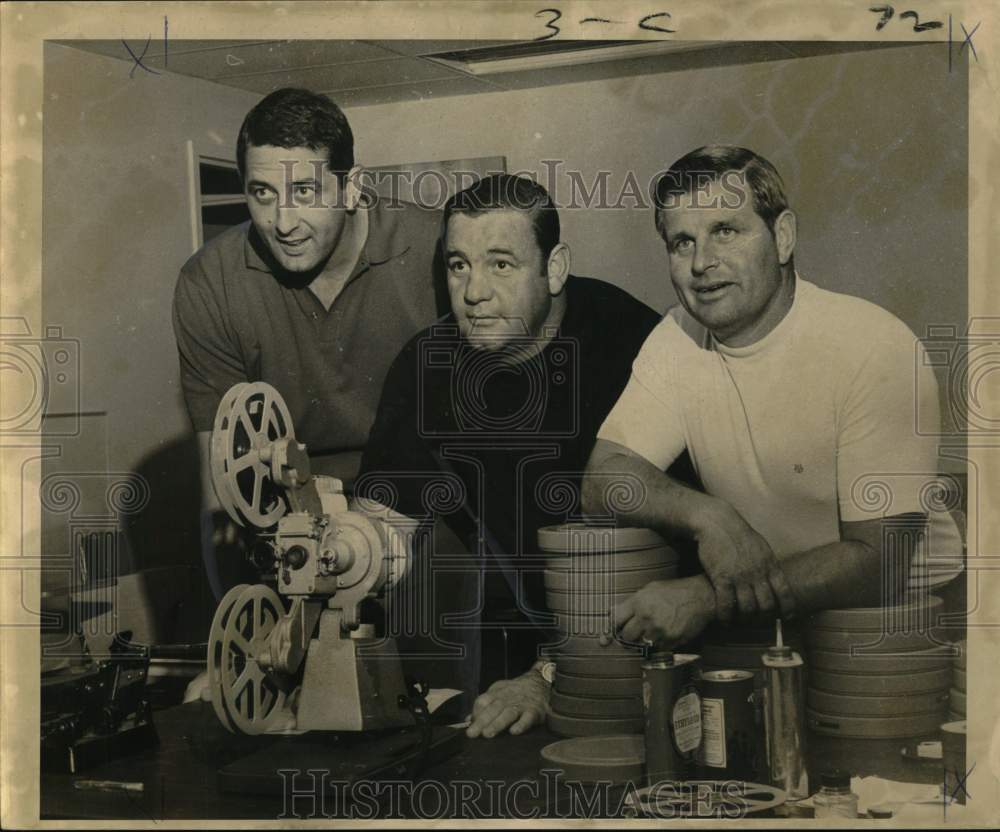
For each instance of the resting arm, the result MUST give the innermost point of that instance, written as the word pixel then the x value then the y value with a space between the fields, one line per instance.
pixel 737 560
pixel 868 566
pixel 669 506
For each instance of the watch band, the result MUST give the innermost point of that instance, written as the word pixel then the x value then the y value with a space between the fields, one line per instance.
pixel 547 669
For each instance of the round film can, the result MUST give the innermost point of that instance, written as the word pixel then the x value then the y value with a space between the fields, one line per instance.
pixel 731 732
pixel 672 707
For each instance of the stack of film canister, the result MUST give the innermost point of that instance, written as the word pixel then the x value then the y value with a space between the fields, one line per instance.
pixel 597 689
pixel 956 696
pixel 878 672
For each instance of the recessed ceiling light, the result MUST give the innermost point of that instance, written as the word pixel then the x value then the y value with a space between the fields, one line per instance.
pixel 522 57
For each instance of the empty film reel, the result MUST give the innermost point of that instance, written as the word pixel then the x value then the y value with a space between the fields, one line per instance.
pixel 891 662
pixel 872 685
pixel 624 667
pixel 574 726
pixel 877 706
pixel 915 614
pixel 625 580
pixel 625 687
pixel 616 758
pixel 858 642
pixel 864 727
pixel 596 706
pixel 572 538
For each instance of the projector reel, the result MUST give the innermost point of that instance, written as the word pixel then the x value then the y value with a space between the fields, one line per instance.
pixel 251 416
pixel 246 696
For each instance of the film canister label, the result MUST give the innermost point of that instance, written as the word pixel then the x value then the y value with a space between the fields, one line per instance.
pixel 685 723
pixel 713 728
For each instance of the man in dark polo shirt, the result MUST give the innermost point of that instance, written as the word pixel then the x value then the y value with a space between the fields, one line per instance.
pixel 315 296
pixel 486 422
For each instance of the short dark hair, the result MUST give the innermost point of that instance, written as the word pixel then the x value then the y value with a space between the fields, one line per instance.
pixel 504 191
pixel 292 117
pixel 708 164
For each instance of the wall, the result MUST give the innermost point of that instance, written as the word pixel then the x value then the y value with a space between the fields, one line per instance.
pixel 116 231
pixel 871 144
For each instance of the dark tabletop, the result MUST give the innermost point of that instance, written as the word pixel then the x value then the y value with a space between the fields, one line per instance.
pixel 498 777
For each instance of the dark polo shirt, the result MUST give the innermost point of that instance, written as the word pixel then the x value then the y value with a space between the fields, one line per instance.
pixel 239 317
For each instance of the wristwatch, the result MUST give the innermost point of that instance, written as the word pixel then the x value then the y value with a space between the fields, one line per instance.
pixel 547 669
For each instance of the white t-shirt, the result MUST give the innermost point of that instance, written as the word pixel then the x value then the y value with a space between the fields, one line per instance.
pixel 813 424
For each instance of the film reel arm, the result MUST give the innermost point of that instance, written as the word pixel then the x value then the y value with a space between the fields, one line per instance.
pixel 289 467
pixel 287 644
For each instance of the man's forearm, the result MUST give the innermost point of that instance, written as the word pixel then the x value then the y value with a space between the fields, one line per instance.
pixel 848 573
pixel 844 574
pixel 667 506
pixel 867 566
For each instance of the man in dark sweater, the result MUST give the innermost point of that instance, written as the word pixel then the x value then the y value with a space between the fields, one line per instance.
pixel 485 423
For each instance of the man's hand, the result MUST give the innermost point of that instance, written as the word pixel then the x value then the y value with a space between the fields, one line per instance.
pixel 741 566
pixel 519 704
pixel 666 612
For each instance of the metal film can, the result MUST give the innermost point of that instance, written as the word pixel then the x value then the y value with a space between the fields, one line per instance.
pixel 731 735
pixel 672 707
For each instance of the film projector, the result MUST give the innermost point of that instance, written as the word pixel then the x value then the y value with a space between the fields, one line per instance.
pixel 296 657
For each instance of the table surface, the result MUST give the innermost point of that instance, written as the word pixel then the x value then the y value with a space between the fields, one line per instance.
pixel 180 776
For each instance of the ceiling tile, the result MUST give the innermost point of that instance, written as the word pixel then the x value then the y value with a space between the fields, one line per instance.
pixel 116 48
pixel 344 76
pixel 359 73
pixel 708 56
pixel 249 59
pixel 110 48
pixel 808 49
pixel 424 90
pixel 429 47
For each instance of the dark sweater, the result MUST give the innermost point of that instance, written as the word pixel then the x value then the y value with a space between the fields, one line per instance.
pixel 497 451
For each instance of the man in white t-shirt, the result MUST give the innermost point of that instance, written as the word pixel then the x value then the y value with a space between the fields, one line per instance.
pixel 798 407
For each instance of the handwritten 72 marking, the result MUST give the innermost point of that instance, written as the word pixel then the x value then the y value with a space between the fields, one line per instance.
pixel 888 11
